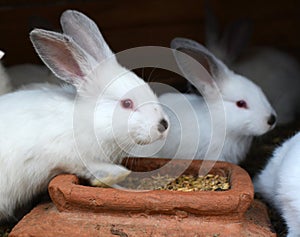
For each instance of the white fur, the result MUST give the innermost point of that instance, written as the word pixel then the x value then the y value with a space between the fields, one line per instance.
pixel 5 85
pixel 279 183
pixel 194 127
pixel 81 128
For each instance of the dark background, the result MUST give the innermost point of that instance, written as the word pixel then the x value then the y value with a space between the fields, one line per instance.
pixel 133 23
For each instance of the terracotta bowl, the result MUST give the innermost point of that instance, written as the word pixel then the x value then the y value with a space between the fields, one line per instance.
pixel 79 210
pixel 67 193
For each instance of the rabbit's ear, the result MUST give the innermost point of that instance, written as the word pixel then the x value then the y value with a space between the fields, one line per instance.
pixel 236 38
pixel 62 55
pixel 190 66
pixel 86 34
pixel 212 28
pixel 214 66
pixel 1 54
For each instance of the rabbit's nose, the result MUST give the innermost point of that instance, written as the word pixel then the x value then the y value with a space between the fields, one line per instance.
pixel 272 120
pixel 163 125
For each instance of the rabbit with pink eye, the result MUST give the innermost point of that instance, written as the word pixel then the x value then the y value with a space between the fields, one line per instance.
pixel 5 85
pixel 247 111
pixel 83 128
pixel 275 71
pixel 279 183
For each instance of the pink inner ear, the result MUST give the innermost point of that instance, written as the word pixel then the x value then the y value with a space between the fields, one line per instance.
pixel 199 57
pixel 61 59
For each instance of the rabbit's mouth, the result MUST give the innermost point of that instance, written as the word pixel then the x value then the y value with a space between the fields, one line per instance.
pixel 141 137
pixel 142 140
pixel 142 143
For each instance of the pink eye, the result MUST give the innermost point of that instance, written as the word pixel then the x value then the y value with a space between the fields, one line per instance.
pixel 127 104
pixel 242 104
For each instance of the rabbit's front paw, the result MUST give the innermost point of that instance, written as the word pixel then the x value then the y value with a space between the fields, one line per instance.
pixel 108 175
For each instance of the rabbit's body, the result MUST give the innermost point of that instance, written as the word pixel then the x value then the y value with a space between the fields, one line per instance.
pixel 238 110
pixel 46 147
pixel 33 158
pixel 279 183
pixel 84 128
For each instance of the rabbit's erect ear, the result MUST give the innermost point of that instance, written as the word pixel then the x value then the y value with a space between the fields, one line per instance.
pixel 212 28
pixel 86 34
pixel 236 38
pixel 214 66
pixel 229 44
pixel 203 78
pixel 62 55
pixel 197 64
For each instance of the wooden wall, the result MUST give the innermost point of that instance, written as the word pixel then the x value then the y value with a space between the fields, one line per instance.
pixel 131 23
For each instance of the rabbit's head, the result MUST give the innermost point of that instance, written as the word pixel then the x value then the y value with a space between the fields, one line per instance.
pixel 247 109
pixel 123 105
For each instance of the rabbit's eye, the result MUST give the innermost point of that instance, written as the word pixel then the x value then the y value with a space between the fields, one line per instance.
pixel 242 104
pixel 127 104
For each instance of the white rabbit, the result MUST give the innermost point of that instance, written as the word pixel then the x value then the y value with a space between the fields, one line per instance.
pixel 48 131
pixel 5 85
pixel 275 71
pixel 279 183
pixel 246 109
